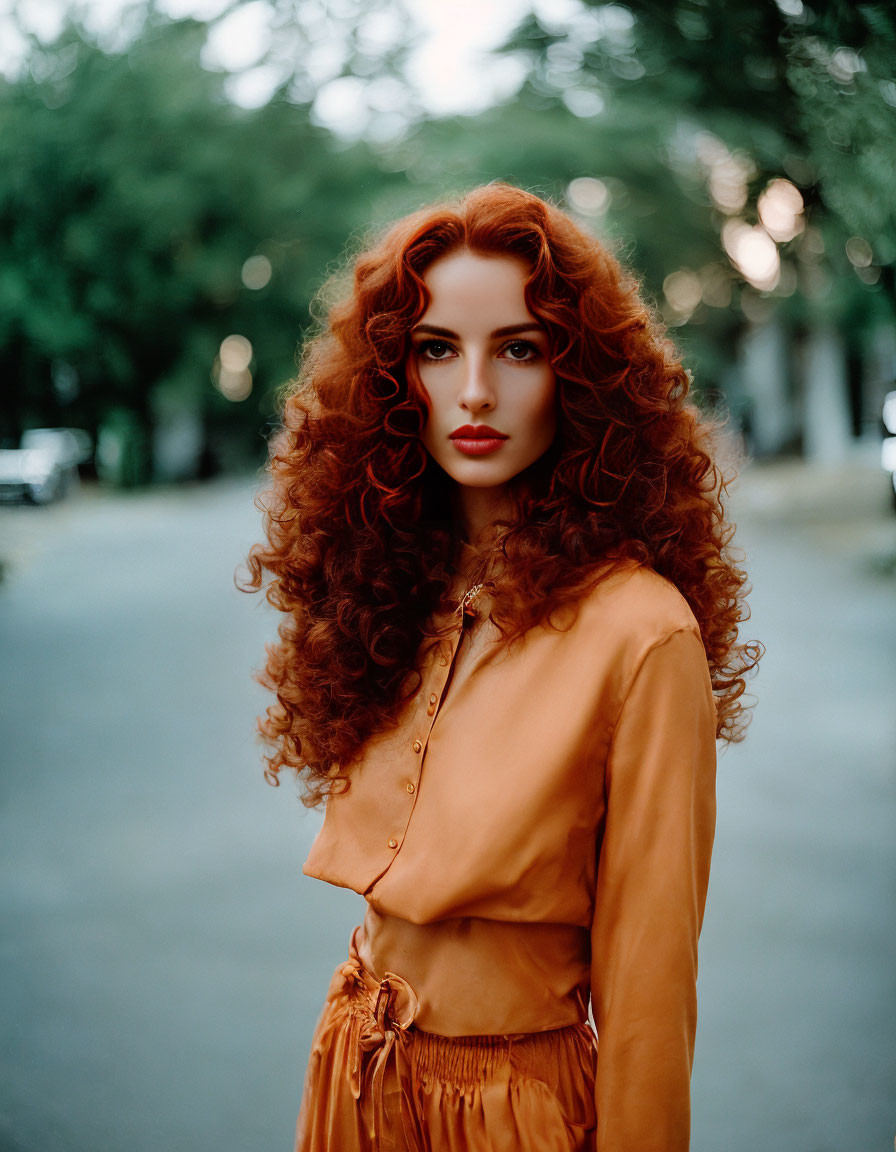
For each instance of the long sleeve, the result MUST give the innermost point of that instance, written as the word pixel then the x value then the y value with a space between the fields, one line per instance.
pixel 653 871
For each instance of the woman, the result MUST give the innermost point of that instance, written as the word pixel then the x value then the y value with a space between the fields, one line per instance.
pixel 510 642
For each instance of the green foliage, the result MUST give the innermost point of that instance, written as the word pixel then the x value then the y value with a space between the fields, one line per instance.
pixel 133 191
pixel 794 91
pixel 131 194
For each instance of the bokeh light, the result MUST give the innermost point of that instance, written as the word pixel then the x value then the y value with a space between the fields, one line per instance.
pixel 781 210
pixel 231 369
pixel 715 282
pixel 753 253
pixel 683 292
pixel 728 173
pixel 235 353
pixel 588 196
pixel 859 252
pixel 256 272
pixel 844 64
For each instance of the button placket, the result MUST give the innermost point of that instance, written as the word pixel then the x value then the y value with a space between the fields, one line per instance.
pixel 418 745
pixel 465 613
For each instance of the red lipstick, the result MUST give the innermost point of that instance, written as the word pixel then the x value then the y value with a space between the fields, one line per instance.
pixel 476 439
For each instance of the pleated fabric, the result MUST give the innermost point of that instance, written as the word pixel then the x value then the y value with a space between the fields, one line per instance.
pixel 376 1083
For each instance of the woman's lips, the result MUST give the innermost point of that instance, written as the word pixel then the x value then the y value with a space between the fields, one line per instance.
pixel 477 439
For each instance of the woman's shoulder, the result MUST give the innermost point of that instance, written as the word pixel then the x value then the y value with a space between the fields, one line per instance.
pixel 635 605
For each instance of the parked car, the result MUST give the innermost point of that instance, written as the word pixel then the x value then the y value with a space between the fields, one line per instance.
pixel 70 446
pixel 45 465
pixel 888 448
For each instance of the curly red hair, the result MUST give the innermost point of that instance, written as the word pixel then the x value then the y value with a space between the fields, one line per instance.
pixel 361 547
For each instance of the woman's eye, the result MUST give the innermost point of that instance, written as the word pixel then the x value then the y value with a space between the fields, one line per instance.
pixel 520 350
pixel 435 349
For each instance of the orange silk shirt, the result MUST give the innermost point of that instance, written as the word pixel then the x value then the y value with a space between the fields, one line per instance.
pixel 537 828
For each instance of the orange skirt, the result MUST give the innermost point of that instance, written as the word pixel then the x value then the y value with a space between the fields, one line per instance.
pixel 375 1083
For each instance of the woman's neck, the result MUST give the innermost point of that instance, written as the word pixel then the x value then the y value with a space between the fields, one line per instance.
pixel 477 511
pixel 479 508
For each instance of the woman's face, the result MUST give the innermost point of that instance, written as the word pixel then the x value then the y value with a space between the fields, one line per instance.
pixel 482 359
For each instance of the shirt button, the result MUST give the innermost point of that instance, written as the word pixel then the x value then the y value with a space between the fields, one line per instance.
pixel 417 746
pixel 411 787
pixel 433 698
pixel 393 843
pixel 430 711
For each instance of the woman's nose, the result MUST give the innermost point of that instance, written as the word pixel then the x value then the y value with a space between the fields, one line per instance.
pixel 477 391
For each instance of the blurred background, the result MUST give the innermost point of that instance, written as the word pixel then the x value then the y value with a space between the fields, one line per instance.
pixel 176 180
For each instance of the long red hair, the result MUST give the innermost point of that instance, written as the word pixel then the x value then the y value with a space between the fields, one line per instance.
pixel 361 546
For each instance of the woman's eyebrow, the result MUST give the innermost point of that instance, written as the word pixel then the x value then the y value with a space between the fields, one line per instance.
pixel 509 330
pixel 515 329
pixel 434 330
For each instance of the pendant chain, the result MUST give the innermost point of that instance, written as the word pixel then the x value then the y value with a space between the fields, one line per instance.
pixel 466 605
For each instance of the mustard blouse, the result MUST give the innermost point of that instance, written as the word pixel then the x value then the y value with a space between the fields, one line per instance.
pixel 537 831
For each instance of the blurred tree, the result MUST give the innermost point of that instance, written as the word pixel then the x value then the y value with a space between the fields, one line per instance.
pixel 742 156
pixel 730 97
pixel 143 219
pixel 739 156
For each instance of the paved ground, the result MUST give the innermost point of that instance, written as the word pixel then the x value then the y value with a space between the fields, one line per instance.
pixel 796 1049
pixel 162 960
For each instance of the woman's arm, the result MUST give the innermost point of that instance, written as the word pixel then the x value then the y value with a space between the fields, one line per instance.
pixel 652 877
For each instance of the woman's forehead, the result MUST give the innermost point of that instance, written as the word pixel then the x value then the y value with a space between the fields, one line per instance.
pixel 479 291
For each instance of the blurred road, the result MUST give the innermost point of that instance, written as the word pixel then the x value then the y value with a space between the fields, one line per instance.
pixel 163 959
